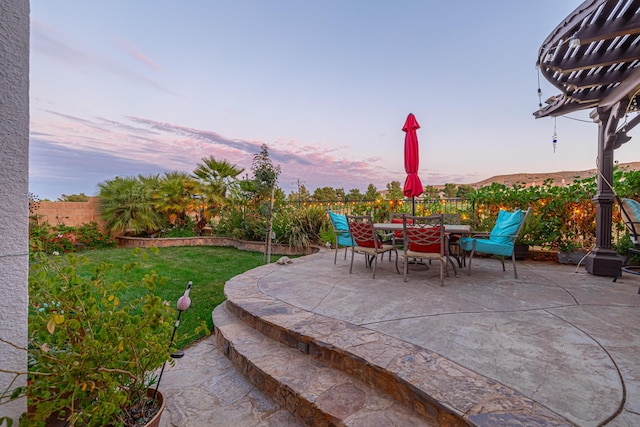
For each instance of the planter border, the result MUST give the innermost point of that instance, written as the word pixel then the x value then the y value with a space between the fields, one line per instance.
pixel 244 245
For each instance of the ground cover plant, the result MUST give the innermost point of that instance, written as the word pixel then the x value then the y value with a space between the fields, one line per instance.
pixel 206 266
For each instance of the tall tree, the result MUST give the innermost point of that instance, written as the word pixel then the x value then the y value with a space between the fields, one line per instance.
pixel 266 177
pixel 431 192
pixel 464 190
pixel 450 190
pixel 354 195
pixel 394 191
pixel 372 192
pixel 324 194
pixel 265 174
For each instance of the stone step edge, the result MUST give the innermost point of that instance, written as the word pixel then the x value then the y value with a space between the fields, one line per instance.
pixel 325 408
pixel 416 376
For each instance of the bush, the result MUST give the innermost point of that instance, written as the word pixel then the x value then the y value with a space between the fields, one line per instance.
pixel 64 239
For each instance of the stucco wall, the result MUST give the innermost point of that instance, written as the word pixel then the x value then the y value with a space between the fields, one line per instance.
pixel 14 151
pixel 70 213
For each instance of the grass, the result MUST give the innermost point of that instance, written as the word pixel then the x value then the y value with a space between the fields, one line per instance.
pixel 207 267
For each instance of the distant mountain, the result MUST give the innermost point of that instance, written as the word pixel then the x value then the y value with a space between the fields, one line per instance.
pixel 559 178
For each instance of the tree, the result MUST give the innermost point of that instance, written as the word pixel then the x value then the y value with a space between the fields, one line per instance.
pixel 220 176
pixel 354 195
pixel 431 192
pixel 265 177
pixel 175 197
pixel 302 195
pixel 324 194
pixel 217 180
pixel 394 191
pixel 450 190
pixel 73 198
pixel 127 205
pixel 372 192
pixel 464 190
pixel 265 174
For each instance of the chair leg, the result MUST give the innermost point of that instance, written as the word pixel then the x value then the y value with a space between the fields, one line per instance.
pixel 473 251
pixel 513 260
pixel 375 264
pixel 396 251
pixel 406 267
pixel 453 264
pixel 351 266
pixel 443 266
pixel 335 258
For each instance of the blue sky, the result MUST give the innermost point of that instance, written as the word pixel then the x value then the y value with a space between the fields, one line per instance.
pixel 137 87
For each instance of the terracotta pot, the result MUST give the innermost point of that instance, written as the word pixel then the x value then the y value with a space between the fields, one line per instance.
pixel 155 421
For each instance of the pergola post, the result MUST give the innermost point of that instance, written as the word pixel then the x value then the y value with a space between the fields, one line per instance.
pixel 603 260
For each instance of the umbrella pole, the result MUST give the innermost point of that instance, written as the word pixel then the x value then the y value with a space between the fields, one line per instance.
pixel 413 206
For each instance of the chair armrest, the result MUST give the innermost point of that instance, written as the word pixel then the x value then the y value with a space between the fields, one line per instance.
pixel 480 234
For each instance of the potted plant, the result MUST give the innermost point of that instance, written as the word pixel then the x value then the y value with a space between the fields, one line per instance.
pixel 571 250
pixel 92 358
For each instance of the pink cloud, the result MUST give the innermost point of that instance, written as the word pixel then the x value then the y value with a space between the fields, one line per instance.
pixel 131 50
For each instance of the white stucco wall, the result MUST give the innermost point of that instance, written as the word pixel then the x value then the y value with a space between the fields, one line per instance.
pixel 14 166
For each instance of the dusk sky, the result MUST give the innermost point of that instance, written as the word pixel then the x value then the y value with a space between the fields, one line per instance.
pixel 121 88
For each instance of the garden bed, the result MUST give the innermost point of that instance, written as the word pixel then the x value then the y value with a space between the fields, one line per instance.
pixel 163 242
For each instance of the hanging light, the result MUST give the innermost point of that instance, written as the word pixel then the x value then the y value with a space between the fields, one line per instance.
pixel 555 135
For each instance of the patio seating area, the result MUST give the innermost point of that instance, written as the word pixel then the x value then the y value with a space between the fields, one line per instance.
pixel 554 347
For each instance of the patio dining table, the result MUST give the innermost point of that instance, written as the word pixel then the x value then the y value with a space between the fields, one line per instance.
pixel 460 229
pixel 448 228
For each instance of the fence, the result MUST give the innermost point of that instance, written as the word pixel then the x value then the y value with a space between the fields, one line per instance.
pixel 71 214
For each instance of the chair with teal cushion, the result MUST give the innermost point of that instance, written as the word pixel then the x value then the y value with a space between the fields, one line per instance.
pixel 630 213
pixel 500 241
pixel 341 233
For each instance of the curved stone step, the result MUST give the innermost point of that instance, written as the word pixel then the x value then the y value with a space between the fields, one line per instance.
pixel 317 394
pixel 415 376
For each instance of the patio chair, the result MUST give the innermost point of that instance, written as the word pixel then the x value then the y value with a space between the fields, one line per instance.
pixel 367 242
pixel 630 212
pixel 341 233
pixel 501 241
pixel 425 239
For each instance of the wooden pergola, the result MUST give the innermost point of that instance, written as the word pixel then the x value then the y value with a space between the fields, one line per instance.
pixel 593 58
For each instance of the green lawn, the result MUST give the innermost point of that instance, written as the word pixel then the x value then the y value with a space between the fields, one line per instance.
pixel 206 266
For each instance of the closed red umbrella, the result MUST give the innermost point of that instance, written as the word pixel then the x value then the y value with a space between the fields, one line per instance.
pixel 412 185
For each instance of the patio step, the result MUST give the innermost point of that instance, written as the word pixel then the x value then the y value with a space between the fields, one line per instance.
pixel 316 393
pixel 431 385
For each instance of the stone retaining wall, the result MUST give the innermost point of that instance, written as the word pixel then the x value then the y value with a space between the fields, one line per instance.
pixel 163 242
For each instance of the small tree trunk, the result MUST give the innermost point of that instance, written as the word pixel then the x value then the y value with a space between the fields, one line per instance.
pixel 267 253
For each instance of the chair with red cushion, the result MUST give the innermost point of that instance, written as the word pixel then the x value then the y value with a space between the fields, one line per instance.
pixel 424 238
pixel 367 242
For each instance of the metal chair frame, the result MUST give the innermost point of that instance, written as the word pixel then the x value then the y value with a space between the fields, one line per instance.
pixel 426 231
pixel 367 242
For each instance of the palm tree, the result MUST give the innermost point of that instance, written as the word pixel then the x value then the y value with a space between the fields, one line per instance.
pixel 126 205
pixel 175 197
pixel 217 180
pixel 221 176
